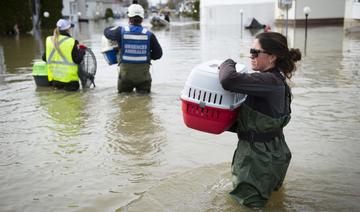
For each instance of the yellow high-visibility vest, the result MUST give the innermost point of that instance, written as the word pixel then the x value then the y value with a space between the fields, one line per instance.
pixel 60 65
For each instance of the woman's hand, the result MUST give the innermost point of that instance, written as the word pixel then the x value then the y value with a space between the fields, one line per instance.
pixel 226 63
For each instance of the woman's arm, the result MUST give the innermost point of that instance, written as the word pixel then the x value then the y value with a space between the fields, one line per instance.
pixel 256 84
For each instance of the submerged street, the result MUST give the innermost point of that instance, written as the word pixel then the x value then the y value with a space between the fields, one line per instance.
pixel 98 150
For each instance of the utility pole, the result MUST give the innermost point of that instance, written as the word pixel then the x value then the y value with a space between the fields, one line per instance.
pixel 287 4
pixel 306 11
pixel 35 14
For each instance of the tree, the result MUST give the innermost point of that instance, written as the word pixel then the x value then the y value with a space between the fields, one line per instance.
pixel 109 13
pixel 54 8
pixel 173 4
pixel 196 11
pixel 15 14
pixel 144 4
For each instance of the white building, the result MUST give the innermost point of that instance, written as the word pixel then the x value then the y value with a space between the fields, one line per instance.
pixel 89 9
pixel 352 15
pixel 223 12
pixel 322 12
pixel 216 12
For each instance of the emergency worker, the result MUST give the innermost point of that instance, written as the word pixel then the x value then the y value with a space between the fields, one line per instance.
pixel 262 156
pixel 138 46
pixel 62 56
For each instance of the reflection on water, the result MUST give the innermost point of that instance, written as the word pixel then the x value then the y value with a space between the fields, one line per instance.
pixel 134 135
pixel 19 53
pixel 64 109
pixel 2 60
pixel 133 130
pixel 133 152
pixel 65 114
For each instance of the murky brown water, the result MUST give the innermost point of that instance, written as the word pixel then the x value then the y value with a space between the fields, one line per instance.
pixel 101 151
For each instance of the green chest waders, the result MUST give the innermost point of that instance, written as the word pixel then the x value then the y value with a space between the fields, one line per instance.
pixel 134 76
pixel 261 158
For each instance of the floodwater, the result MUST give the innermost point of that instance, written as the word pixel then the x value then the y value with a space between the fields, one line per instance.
pixel 98 150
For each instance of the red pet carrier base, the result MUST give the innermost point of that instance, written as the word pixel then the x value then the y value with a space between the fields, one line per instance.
pixel 208 119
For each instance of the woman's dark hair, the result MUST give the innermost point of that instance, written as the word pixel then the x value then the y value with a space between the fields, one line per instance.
pixel 276 44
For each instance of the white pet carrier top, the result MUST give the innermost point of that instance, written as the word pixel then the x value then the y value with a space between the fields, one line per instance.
pixel 107 45
pixel 203 87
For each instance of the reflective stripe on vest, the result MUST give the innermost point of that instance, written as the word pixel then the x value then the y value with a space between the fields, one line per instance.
pixel 135 46
pixel 60 65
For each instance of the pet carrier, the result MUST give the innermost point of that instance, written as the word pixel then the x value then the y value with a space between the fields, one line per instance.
pixel 206 106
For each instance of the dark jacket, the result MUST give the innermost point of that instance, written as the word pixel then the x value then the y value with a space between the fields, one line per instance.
pixel 114 33
pixel 266 90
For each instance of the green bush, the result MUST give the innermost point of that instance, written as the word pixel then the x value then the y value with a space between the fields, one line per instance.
pixel 109 13
pixel 196 12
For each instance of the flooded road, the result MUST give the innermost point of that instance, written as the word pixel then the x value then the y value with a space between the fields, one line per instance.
pixel 102 151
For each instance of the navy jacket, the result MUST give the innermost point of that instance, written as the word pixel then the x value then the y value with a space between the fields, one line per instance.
pixel 114 33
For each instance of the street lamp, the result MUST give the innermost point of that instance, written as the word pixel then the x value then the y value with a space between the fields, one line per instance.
pixel 46 14
pixel 306 11
pixel 78 17
pixel 97 15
